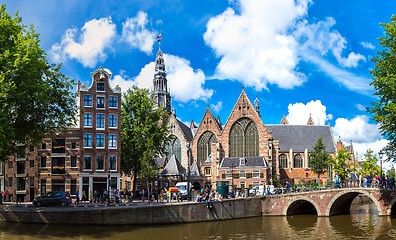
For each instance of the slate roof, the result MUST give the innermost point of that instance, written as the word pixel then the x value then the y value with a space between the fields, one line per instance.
pixel 173 168
pixel 301 137
pixel 160 162
pixel 186 130
pixel 249 162
pixel 194 170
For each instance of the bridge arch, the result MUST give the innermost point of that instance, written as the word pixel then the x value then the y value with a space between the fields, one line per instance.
pixel 391 207
pixel 296 206
pixel 341 202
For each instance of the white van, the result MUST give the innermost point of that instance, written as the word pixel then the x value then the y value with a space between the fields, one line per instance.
pixel 259 190
pixel 182 186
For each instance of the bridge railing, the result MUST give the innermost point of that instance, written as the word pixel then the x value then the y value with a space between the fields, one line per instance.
pixel 331 185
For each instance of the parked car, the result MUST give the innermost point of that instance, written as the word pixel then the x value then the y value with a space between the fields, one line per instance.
pixel 53 199
pixel 182 186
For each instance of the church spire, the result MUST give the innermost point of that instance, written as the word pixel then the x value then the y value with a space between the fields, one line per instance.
pixel 160 91
pixel 257 106
pixel 310 121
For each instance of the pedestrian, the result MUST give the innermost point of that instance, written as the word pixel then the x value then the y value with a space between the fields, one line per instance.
pixel 337 182
pixel 392 182
pixel 77 197
pixel 117 196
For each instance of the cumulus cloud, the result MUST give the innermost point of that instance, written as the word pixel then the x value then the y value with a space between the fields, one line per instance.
pixel 88 45
pixel 299 113
pixel 321 37
pixel 262 42
pixel 253 44
pixel 134 32
pixel 217 107
pixel 367 45
pixel 184 82
pixel 357 129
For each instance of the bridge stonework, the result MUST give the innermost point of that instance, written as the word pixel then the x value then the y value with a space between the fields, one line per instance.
pixel 327 202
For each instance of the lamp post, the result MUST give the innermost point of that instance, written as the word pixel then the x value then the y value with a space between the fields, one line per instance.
pixel 188 171
pixel 108 189
pixel 380 155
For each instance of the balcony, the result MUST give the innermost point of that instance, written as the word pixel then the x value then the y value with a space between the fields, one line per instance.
pixel 58 146
pixel 58 170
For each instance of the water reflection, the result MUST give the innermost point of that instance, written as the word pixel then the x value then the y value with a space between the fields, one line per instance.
pixel 362 223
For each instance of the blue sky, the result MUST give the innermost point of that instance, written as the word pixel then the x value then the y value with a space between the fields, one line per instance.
pixel 298 57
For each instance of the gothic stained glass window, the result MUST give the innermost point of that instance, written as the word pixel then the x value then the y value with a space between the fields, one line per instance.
pixel 205 146
pixel 283 161
pixel 174 147
pixel 244 139
pixel 252 140
pixel 298 161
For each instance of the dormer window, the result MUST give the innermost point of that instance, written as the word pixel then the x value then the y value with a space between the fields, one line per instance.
pixel 242 162
pixel 100 87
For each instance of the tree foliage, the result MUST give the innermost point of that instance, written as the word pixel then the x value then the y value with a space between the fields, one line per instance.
pixel 369 165
pixel 144 134
pixel 340 164
pixel 35 97
pixel 319 159
pixel 384 83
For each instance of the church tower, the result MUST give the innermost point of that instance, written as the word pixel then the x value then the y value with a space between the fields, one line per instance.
pixel 160 91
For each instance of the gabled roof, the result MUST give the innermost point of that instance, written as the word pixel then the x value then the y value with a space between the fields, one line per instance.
pixel 186 130
pixel 194 170
pixel 301 137
pixel 173 168
pixel 249 162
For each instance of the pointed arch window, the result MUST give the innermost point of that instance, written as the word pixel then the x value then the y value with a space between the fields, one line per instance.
pixel 298 161
pixel 244 139
pixel 205 146
pixel 283 161
pixel 173 148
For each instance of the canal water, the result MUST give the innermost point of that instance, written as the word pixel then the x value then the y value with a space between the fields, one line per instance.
pixel 362 223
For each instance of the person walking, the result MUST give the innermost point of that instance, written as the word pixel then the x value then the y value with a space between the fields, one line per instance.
pixel 77 197
pixel 337 182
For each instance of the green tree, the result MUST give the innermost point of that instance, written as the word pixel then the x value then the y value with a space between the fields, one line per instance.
pixel 384 83
pixel 369 165
pixel 144 134
pixel 319 159
pixel 339 164
pixel 35 98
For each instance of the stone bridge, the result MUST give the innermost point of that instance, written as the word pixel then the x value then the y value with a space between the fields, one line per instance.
pixel 328 202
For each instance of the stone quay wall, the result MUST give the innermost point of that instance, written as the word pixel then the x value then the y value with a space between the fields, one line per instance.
pixel 135 215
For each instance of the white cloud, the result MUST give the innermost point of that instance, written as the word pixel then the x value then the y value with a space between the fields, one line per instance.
pixel 262 43
pixel 376 146
pixel 361 107
pixel 299 113
pixel 320 37
pixel 89 46
pixel 135 33
pixel 367 45
pixel 358 129
pixel 217 107
pixel 184 82
pixel 254 45
pixel 122 80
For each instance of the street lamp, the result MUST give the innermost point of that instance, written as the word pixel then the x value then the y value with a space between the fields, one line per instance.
pixel 188 171
pixel 380 155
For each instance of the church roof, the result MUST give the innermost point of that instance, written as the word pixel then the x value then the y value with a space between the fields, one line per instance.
pixel 173 168
pixel 249 162
pixel 160 162
pixel 186 130
pixel 194 170
pixel 301 137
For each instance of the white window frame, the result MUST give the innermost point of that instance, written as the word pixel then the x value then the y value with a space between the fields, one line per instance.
pixel 96 163
pixel 255 171
pixel 228 174
pixel 116 101
pixel 104 101
pixel 244 174
pixel 104 141
pixel 84 100
pixel 84 140
pixel 104 121
pixel 84 165
pixel 255 183
pixel 111 146
pixel 100 90
pixel 113 170
pixel 115 121
pixel 87 126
